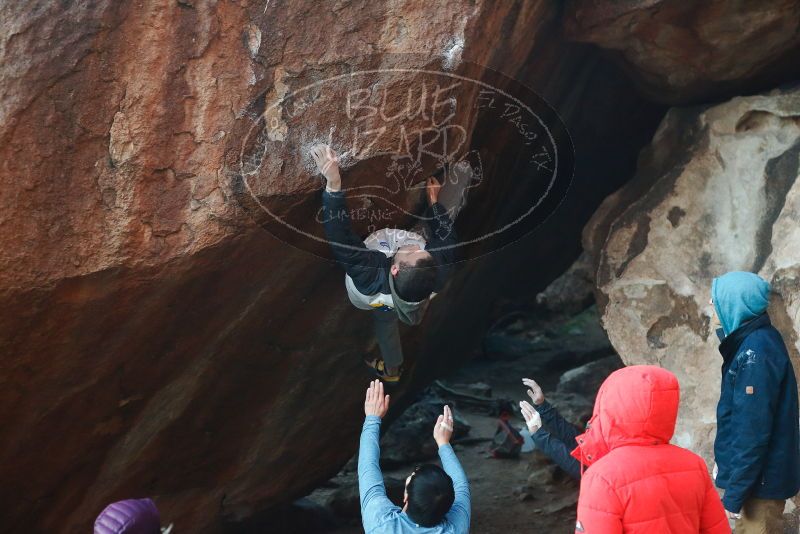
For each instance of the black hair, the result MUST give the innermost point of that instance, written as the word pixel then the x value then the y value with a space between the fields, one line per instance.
pixel 430 495
pixel 416 282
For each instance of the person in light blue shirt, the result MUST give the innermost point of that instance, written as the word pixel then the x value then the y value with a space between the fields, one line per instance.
pixel 436 500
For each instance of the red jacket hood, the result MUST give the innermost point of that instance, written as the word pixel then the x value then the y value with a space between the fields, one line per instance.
pixel 636 405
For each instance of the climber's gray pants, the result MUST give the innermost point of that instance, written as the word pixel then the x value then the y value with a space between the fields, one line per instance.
pixel 453 197
pixel 387 333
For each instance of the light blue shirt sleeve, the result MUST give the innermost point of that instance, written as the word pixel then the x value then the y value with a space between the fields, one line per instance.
pixel 375 505
pixel 459 514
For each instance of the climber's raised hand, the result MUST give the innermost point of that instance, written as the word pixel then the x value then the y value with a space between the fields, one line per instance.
pixel 535 392
pixel 328 165
pixel 376 403
pixel 432 188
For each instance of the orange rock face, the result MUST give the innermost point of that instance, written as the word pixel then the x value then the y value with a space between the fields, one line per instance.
pixel 157 337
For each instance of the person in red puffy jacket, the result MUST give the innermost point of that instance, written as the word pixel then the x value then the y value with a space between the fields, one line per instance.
pixel 637 481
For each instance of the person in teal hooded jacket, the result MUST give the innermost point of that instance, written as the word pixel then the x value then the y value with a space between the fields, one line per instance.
pixel 757 447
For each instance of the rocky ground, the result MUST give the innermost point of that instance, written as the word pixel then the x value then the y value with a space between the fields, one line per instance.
pixel 568 356
pixel 567 353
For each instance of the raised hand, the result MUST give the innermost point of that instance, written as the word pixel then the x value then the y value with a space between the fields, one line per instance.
pixel 327 164
pixel 535 392
pixel 432 188
pixel 376 403
pixel 443 429
pixel 532 417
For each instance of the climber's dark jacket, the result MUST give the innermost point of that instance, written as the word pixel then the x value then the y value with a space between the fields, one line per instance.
pixel 369 269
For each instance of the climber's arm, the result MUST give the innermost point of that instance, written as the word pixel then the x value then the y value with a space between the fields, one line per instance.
pixel 442 243
pixel 443 239
pixel 365 267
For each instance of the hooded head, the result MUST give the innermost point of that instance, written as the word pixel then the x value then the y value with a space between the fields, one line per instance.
pixel 636 405
pixel 739 297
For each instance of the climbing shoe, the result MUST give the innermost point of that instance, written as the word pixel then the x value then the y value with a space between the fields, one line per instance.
pixel 379 369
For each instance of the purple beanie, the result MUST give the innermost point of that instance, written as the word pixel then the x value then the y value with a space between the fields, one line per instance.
pixel 132 516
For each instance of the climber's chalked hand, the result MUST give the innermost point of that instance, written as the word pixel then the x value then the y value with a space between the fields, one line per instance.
pixel 432 188
pixel 328 165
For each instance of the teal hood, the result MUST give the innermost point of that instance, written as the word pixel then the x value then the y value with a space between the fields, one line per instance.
pixel 739 297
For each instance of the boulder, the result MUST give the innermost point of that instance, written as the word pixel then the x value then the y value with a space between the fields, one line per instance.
pixel 693 50
pixel 586 379
pixel 560 342
pixel 716 191
pixel 345 504
pixel 570 293
pixel 299 517
pixel 156 339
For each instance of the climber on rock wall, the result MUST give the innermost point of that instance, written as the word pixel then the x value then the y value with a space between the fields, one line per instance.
pixel 436 499
pixel 757 447
pixel 394 272
pixel 557 438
